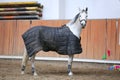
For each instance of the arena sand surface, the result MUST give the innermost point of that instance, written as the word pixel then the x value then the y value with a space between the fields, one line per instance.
pixel 56 70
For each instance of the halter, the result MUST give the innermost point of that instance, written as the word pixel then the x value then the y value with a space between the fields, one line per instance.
pixel 82 20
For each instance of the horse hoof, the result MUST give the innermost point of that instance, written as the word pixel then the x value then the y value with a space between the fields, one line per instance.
pixel 35 74
pixel 70 74
pixel 22 72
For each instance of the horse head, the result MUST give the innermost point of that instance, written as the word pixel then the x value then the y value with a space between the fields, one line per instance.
pixel 83 17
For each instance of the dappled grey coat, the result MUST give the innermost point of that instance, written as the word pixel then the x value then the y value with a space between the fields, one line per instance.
pixel 59 39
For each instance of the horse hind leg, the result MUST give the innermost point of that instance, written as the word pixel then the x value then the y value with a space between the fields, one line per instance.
pixel 70 60
pixel 24 61
pixel 33 65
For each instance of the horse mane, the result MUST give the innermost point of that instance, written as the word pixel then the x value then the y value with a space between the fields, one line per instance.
pixel 75 18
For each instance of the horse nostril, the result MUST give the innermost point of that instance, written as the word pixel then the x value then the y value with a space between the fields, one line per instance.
pixel 82 24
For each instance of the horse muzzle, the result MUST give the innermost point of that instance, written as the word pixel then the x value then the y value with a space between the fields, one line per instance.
pixel 83 23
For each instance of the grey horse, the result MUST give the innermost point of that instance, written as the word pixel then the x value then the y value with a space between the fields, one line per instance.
pixel 65 40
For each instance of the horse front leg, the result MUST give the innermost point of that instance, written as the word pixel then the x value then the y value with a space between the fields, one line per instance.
pixel 24 61
pixel 33 65
pixel 70 60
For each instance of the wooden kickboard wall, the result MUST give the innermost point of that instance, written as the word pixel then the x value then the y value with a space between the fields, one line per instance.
pixel 98 37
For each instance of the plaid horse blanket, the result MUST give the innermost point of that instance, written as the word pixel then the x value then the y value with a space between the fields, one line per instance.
pixel 59 39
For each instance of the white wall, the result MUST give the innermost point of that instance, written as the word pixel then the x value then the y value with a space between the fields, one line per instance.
pixel 67 9
pixel 51 9
pixel 97 9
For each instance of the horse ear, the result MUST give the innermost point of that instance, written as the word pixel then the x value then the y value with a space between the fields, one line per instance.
pixel 86 8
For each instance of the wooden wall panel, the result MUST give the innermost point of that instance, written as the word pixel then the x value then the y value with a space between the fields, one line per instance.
pixel 101 39
pixel 20 28
pixel 5 40
pixel 1 37
pixel 88 45
pixel 118 50
pixel 111 38
pixel 98 28
pixel 8 37
pixel 117 57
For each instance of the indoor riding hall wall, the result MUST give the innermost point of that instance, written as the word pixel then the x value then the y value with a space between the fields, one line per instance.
pixel 98 37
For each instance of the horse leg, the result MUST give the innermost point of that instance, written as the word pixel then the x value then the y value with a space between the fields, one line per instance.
pixel 33 65
pixel 70 60
pixel 24 61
